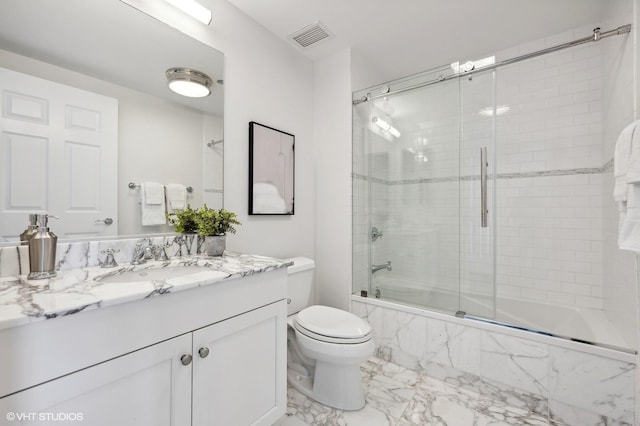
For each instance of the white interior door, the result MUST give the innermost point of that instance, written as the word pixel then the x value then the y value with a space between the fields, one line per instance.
pixel 58 154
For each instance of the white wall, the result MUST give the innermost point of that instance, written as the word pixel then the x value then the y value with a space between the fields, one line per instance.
pixel 266 81
pixel 332 135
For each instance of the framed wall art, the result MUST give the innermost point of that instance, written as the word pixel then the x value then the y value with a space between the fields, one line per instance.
pixel 271 170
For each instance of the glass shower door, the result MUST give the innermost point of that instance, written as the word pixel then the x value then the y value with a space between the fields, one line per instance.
pixel 419 238
pixel 406 183
pixel 477 194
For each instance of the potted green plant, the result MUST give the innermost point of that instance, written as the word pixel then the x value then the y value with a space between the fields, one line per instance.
pixel 213 225
pixel 184 222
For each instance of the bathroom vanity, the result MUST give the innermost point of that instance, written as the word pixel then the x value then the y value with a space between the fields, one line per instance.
pixel 204 348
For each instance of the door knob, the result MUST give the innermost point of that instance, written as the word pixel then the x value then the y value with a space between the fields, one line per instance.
pixel 204 352
pixel 186 359
pixel 106 221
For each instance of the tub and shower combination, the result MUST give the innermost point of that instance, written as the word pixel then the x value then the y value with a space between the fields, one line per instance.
pixel 487 184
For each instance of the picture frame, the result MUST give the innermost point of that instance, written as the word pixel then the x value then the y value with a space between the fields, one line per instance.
pixel 271 171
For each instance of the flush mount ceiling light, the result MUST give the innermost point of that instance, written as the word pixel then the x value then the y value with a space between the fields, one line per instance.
pixel 189 82
pixel 386 126
pixel 193 9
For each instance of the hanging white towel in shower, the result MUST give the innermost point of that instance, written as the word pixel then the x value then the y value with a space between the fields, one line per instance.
pixel 152 204
pixel 621 161
pixel 627 153
pixel 629 234
pixel 176 197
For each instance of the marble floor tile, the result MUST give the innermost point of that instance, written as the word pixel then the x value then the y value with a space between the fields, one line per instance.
pixel 398 396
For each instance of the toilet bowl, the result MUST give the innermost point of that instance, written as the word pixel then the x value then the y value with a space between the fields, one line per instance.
pixel 325 346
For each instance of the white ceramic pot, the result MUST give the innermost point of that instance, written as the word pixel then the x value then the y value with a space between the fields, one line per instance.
pixel 214 245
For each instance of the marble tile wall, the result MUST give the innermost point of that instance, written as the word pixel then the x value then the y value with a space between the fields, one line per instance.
pixel 564 385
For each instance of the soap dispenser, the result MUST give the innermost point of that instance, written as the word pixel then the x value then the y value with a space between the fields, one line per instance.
pixel 42 250
pixel 31 229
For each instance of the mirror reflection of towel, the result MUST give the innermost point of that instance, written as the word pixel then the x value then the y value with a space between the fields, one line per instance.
pixel 267 199
pixel 176 197
pixel 152 204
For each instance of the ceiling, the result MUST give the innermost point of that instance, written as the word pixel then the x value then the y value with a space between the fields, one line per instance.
pixel 401 37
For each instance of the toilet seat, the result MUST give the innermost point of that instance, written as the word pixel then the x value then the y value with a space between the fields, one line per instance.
pixel 332 325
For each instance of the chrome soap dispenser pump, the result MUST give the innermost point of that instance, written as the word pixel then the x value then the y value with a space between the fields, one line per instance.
pixel 31 229
pixel 42 250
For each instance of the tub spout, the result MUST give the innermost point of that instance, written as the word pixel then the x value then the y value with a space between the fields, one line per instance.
pixel 376 268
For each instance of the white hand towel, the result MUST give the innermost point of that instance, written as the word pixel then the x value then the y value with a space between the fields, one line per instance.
pixel 176 197
pixel 632 132
pixel 621 157
pixel 153 193
pixel 152 204
pixel 629 235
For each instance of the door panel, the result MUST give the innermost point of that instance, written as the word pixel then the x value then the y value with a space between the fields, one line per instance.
pixel 477 241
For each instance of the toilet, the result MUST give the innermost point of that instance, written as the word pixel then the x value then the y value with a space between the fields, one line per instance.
pixel 325 346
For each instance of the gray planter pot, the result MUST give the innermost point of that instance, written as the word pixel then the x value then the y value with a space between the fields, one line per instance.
pixel 214 245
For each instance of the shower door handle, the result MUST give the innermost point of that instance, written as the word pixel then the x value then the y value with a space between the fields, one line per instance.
pixel 483 187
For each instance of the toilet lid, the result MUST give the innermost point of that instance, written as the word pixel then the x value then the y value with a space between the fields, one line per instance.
pixel 331 322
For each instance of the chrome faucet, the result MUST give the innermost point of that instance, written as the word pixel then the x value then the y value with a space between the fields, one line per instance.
pixel 160 252
pixel 376 268
pixel 139 255
pixel 109 261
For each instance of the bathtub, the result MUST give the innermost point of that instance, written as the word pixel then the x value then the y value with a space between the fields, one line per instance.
pixel 572 323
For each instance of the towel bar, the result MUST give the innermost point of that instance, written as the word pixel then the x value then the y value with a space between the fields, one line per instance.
pixel 137 185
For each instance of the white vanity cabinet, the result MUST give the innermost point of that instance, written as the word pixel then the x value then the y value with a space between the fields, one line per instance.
pixel 147 387
pixel 237 369
pixel 214 355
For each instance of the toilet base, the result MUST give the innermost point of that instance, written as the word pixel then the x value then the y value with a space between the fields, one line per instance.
pixel 337 386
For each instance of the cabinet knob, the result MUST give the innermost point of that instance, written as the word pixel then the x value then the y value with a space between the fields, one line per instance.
pixel 186 359
pixel 204 352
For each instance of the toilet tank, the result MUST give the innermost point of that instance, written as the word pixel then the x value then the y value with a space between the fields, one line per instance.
pixel 299 284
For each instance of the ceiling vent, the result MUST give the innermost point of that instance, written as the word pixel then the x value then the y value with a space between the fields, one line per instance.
pixel 311 35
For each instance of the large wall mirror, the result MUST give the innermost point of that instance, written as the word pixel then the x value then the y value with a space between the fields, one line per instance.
pixel 93 75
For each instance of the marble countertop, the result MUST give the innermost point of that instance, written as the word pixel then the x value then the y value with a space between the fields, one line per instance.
pixel 24 301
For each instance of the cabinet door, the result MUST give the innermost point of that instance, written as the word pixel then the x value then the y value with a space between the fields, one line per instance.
pixel 146 387
pixel 242 379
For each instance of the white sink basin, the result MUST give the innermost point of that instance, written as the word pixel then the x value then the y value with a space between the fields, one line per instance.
pixel 152 274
